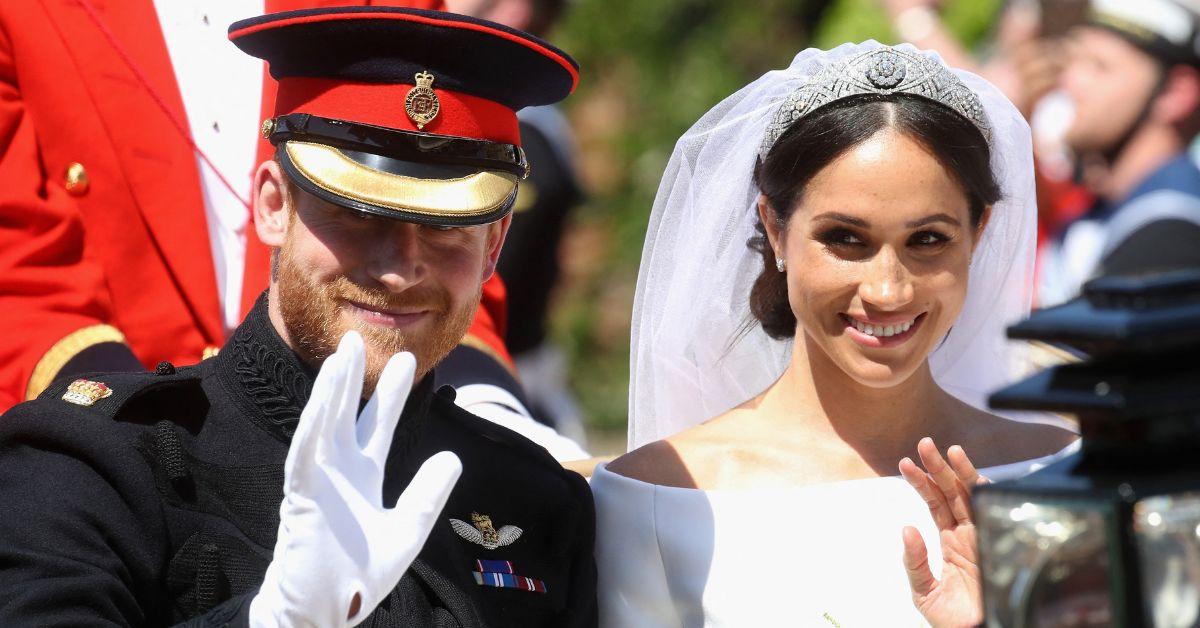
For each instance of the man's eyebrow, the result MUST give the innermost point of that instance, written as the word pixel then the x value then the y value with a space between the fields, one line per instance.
pixel 851 220
pixel 943 217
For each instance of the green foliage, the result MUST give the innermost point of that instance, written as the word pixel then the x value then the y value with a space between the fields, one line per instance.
pixel 651 68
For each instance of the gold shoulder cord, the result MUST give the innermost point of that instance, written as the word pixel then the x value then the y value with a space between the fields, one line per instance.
pixel 70 346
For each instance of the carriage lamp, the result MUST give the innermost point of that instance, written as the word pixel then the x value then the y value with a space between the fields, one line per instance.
pixel 1109 536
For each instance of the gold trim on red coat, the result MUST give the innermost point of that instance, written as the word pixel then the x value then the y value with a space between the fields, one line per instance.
pixel 70 346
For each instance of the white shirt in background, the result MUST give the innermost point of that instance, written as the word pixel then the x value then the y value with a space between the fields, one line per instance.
pixel 222 89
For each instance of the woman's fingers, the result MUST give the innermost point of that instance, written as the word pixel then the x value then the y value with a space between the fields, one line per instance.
pixel 964 468
pixel 916 564
pixel 939 509
pixel 946 479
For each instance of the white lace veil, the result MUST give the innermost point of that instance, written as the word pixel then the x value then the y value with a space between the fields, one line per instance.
pixel 691 358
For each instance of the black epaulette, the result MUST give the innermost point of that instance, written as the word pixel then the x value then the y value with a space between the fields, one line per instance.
pixel 123 396
pixel 492 431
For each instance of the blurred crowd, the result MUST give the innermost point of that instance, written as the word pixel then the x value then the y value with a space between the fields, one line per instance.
pixel 1111 89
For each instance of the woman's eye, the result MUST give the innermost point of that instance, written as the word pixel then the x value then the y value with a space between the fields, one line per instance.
pixel 840 237
pixel 928 239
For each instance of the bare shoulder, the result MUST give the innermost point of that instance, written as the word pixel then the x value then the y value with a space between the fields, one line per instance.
pixel 668 462
pixel 997 440
pixel 1034 440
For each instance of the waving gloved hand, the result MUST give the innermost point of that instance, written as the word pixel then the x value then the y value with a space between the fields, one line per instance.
pixel 340 552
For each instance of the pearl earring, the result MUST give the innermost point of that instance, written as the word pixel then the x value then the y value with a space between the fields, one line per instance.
pixel 780 264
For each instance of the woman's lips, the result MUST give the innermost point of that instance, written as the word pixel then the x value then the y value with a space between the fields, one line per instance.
pixel 876 338
pixel 393 320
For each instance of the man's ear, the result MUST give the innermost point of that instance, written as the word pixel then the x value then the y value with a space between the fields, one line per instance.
pixel 1179 98
pixel 981 227
pixel 272 203
pixel 496 232
pixel 770 221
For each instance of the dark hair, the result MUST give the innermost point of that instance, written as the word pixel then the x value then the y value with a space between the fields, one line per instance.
pixel 819 138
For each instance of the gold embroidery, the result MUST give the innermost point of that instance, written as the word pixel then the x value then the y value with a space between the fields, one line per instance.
pixel 85 392
pixel 70 346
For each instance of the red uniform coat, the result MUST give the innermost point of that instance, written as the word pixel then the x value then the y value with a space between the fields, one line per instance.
pixel 87 86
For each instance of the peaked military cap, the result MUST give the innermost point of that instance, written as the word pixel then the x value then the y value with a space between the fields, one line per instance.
pixel 404 113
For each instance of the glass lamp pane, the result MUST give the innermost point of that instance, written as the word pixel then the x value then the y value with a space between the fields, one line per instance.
pixel 1167 529
pixel 1044 563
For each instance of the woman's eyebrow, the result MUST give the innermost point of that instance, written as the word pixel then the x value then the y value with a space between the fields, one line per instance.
pixel 932 219
pixel 851 220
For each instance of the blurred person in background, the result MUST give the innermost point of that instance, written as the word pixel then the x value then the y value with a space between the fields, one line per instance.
pixel 919 22
pixel 530 260
pixel 1133 79
pixel 127 146
pixel 1025 60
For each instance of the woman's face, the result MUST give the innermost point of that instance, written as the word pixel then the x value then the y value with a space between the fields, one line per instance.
pixel 878 252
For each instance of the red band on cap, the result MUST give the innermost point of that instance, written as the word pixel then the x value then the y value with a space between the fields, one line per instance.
pixel 460 115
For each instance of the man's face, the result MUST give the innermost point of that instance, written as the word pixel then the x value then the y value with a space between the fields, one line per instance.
pixel 1110 82
pixel 403 286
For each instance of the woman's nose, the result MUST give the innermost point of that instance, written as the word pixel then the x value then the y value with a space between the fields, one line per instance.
pixel 887 284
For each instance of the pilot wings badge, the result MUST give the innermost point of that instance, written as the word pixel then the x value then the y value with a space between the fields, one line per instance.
pixel 483 533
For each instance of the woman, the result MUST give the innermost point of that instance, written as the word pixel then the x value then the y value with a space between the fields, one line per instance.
pixel 889 208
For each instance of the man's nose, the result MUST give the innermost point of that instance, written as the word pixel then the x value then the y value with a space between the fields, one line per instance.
pixel 395 255
pixel 887 283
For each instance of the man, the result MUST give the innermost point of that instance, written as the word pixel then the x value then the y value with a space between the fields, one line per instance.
pixel 127 149
pixel 1134 78
pixel 148 499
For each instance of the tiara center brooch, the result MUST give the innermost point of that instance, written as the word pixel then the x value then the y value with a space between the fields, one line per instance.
pixel 422 104
pixel 887 71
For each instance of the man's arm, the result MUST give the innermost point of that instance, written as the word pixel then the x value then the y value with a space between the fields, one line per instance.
pixel 80 534
pixel 582 610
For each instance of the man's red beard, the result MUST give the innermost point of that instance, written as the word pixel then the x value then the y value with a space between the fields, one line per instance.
pixel 312 314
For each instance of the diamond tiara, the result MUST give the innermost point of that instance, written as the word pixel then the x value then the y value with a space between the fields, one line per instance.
pixel 880 71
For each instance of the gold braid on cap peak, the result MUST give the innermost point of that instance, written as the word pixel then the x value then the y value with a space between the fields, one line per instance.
pixel 880 71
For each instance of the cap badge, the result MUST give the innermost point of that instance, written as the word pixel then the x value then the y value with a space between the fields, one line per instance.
pixel 84 392
pixel 422 104
pixel 483 533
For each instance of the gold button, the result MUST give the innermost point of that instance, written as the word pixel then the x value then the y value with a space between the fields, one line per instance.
pixel 77 182
pixel 209 352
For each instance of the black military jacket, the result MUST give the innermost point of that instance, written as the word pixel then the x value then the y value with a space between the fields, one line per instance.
pixel 159 504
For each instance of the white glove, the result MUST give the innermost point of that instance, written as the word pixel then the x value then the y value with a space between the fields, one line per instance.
pixel 336 540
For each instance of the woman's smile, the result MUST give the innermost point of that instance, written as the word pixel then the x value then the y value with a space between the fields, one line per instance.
pixel 882 332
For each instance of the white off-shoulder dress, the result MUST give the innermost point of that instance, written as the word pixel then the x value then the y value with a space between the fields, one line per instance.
pixel 820 555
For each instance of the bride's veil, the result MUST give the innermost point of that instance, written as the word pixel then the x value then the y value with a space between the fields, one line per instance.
pixel 696 352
